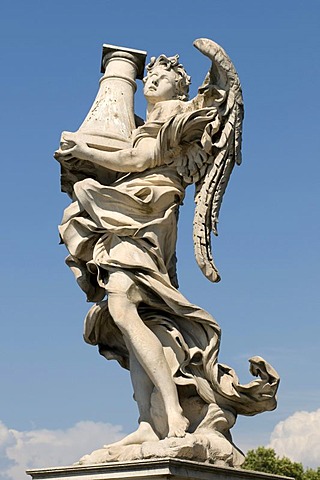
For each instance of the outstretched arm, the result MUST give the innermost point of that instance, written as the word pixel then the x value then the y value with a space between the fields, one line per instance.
pixel 135 159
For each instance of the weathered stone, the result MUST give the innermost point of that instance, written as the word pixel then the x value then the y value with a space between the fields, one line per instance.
pixel 166 469
pixel 127 186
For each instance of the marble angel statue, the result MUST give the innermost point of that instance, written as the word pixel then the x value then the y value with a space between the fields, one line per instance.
pixel 121 236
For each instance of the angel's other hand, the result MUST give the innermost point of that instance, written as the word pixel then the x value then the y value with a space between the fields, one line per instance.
pixel 70 149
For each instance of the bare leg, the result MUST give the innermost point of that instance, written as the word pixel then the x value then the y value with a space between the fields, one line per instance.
pixel 143 388
pixel 148 352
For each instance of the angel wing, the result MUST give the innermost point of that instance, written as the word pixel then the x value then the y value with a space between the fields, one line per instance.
pixel 208 141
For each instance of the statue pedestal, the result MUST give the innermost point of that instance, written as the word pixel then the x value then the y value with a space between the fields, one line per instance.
pixel 155 469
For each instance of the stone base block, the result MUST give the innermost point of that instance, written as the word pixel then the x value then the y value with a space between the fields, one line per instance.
pixel 164 469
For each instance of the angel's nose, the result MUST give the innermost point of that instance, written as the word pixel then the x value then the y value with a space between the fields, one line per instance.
pixel 155 82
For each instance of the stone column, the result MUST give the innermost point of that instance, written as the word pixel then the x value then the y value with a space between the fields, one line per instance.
pixel 110 121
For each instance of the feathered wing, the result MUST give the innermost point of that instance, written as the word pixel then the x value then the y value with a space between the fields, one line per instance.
pixel 224 150
pixel 206 144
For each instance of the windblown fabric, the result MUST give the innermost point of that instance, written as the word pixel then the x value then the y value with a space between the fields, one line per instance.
pixel 131 225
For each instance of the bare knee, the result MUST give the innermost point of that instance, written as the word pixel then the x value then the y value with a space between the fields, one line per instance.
pixel 121 308
pixel 121 283
pixel 123 299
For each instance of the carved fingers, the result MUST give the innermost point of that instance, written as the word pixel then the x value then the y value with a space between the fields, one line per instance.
pixel 71 147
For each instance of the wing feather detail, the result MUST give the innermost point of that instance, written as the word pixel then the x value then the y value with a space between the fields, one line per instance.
pixel 204 142
pixel 225 152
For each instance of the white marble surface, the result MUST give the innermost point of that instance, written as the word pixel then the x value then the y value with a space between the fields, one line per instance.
pixel 121 230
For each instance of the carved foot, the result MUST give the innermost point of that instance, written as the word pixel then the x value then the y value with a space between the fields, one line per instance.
pixel 97 456
pixel 178 425
pixel 144 433
pixel 213 448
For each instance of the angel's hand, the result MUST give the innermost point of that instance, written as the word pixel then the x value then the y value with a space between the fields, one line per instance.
pixel 72 147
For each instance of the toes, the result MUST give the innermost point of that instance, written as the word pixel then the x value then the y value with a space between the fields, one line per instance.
pixel 177 433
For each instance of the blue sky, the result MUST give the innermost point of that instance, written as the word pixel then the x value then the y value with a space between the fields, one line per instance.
pixel 267 251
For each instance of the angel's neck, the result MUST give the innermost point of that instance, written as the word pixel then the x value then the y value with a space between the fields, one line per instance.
pixel 150 108
pixel 162 111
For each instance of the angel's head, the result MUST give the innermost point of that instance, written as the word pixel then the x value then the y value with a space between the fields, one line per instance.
pixel 166 80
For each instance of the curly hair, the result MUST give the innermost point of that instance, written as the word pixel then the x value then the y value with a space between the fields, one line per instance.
pixel 183 80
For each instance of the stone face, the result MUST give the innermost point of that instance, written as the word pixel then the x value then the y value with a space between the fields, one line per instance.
pixel 127 185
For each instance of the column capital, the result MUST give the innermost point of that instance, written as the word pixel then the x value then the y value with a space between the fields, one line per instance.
pixel 138 57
